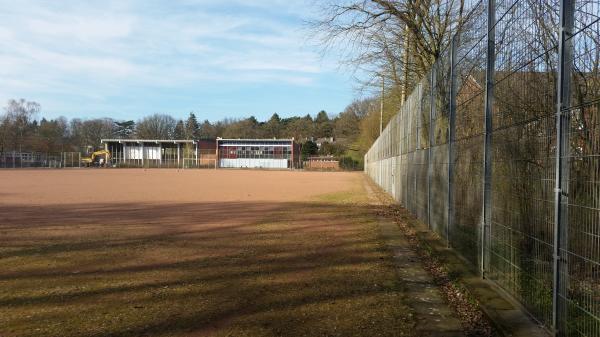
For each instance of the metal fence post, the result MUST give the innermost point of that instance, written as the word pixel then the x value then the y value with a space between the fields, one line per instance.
pixel 451 136
pixel 143 155
pixel 432 112
pixel 405 146
pixel 561 198
pixel 487 151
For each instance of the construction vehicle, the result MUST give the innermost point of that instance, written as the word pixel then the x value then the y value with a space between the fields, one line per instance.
pixel 97 159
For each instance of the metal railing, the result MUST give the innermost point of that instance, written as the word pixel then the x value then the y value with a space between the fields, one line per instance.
pixel 498 151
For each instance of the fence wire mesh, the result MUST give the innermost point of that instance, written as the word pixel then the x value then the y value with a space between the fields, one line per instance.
pixel 18 159
pixel 539 87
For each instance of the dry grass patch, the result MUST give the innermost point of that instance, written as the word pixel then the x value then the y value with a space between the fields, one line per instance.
pixel 231 268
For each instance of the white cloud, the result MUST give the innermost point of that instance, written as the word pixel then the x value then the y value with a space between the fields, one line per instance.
pixel 96 49
pixel 85 28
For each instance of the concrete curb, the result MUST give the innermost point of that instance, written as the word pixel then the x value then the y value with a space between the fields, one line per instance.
pixel 508 317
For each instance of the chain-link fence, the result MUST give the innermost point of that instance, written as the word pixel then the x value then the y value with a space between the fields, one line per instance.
pixel 188 159
pixel 71 159
pixel 17 159
pixel 498 150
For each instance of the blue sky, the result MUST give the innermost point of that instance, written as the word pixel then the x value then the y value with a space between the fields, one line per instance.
pixel 129 58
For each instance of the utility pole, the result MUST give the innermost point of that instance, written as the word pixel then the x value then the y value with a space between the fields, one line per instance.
pixel 381 109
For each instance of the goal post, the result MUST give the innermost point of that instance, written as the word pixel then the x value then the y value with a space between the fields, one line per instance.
pixel 189 163
pixel 199 163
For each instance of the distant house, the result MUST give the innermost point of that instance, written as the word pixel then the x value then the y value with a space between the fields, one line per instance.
pixel 320 141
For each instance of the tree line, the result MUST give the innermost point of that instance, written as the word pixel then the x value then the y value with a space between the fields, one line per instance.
pixel 393 42
pixel 22 129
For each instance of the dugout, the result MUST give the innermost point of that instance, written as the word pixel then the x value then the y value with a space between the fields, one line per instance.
pixel 155 153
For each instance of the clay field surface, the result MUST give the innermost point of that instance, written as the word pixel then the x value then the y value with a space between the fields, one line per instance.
pixel 107 252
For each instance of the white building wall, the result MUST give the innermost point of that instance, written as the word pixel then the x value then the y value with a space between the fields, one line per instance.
pixel 254 163
pixel 136 152
pixel 132 152
pixel 152 152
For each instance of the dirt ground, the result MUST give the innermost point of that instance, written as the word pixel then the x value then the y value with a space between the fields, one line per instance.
pixel 97 186
pixel 104 252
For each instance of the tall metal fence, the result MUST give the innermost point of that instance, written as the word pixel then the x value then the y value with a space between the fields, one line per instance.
pixel 498 151
pixel 188 159
pixel 17 159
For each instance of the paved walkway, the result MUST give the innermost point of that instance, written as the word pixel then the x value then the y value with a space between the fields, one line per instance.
pixel 434 316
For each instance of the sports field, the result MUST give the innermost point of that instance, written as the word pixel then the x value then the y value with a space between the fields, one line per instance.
pixel 104 252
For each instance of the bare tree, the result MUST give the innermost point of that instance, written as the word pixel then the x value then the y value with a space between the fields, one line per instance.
pixel 157 126
pixel 18 115
pixel 88 133
pixel 399 40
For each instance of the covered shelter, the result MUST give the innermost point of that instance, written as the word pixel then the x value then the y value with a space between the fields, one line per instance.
pixel 158 153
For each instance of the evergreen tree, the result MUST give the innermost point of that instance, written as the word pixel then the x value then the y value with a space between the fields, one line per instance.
pixel 179 132
pixel 125 129
pixel 273 127
pixel 253 128
pixel 322 117
pixel 192 129
pixel 309 148
pixel 323 126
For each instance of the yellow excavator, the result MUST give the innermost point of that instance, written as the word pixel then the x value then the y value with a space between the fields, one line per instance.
pixel 97 158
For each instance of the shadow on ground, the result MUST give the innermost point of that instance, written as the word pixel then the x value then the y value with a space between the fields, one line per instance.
pixel 197 269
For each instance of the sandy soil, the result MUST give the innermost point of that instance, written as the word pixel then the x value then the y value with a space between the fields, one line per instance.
pixel 193 253
pixel 43 187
